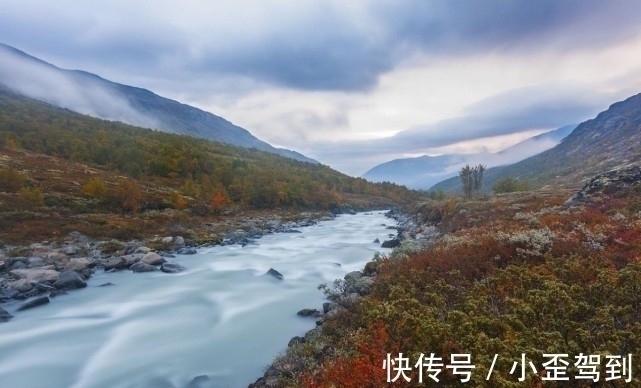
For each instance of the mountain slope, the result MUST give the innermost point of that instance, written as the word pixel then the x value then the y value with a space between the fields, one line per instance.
pixel 90 94
pixel 610 140
pixel 424 171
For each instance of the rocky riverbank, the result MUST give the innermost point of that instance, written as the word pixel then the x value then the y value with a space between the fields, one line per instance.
pixel 37 273
pixel 411 235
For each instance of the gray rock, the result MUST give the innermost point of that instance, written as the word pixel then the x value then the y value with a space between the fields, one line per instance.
pixel 69 280
pixel 35 262
pixel 70 250
pixel 377 241
pixel 21 285
pixel 108 284
pixel 79 263
pixel 143 250
pixel 36 274
pixel 393 243
pixel 172 267
pixel 2 266
pixel 19 265
pixel 329 306
pixel 353 276
pixel 115 263
pixel 152 258
pixel 187 251
pixel 179 241
pixel 34 303
pixel 295 340
pixel 4 315
pixel 167 240
pixel 272 272
pixel 143 267
pixel 309 313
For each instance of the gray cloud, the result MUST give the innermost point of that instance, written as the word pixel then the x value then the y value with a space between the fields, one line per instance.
pixel 318 46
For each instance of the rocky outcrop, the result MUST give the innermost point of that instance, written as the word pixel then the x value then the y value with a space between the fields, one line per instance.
pixel 615 181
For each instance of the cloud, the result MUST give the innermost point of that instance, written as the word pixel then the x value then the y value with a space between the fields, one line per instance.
pixel 46 83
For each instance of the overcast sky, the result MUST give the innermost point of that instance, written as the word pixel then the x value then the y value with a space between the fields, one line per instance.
pixel 354 83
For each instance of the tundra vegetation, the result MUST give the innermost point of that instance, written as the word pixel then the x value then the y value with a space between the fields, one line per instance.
pixel 522 273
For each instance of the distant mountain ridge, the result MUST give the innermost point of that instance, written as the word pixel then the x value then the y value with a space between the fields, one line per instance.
pixel 611 140
pixel 424 171
pixel 87 93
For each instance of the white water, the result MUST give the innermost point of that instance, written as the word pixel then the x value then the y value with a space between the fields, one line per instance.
pixel 222 317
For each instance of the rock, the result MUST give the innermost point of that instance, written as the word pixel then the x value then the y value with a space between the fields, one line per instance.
pixel 314 313
pixel 187 251
pixel 275 274
pixel 19 265
pixel 172 267
pixel 329 306
pixel 393 243
pixel 167 240
pixel 353 276
pixel 376 241
pixel 199 382
pixel 70 250
pixel 108 284
pixel 295 340
pixel 143 267
pixel 69 280
pixel 21 285
pixel 115 263
pixel 79 263
pixel 35 262
pixel 36 274
pixel 360 286
pixel 2 266
pixel 371 268
pixel 179 241
pixel 34 303
pixel 152 258
pixel 143 250
pixel 4 315
pixel 132 258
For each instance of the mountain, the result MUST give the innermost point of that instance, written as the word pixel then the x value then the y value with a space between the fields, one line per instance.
pixel 424 171
pixel 92 95
pixel 611 140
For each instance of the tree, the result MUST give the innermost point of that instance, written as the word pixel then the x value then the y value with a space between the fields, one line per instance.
pixel 472 179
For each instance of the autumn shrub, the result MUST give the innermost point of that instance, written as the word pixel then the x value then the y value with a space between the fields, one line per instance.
pixel 94 188
pixel 32 197
pixel 10 180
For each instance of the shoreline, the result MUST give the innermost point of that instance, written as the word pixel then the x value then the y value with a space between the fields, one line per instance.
pixel 33 275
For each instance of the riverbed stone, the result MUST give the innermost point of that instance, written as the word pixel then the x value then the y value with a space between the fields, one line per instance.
pixel 167 240
pixel 179 241
pixel 143 267
pixel 275 274
pixel 202 381
pixel 68 280
pixel 187 251
pixel 2 266
pixel 152 258
pixel 143 250
pixel 70 250
pixel 21 285
pixel 4 315
pixel 314 313
pixel 36 274
pixel 79 263
pixel 171 267
pixel 35 262
pixel 34 303
pixel 115 263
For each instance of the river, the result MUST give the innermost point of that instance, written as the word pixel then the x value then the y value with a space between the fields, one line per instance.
pixel 222 317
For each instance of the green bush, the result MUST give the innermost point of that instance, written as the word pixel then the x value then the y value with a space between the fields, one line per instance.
pixel 509 185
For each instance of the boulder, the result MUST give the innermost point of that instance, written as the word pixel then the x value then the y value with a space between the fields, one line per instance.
pixel 79 263
pixel 35 262
pixel 69 280
pixel 179 241
pixel 21 285
pixel 34 303
pixel 171 267
pixel 272 272
pixel 393 243
pixel 143 267
pixel 4 315
pixel 167 240
pixel 36 274
pixel 70 250
pixel 2 266
pixel 143 250
pixel 187 251
pixel 152 258
pixel 309 313
pixel 294 341
pixel 376 241
pixel 115 263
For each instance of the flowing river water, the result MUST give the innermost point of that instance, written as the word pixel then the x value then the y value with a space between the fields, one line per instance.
pixel 222 317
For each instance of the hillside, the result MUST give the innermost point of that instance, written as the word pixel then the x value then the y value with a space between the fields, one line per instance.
pixel 62 171
pixel 610 140
pixel 424 171
pixel 90 94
